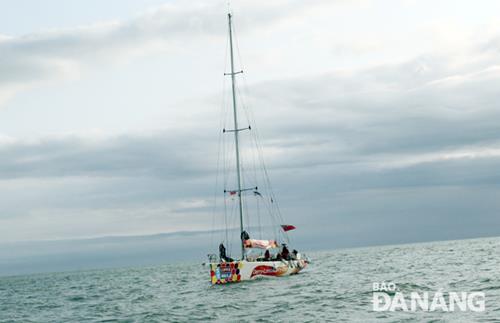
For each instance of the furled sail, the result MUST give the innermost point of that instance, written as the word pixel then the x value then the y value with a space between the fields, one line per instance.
pixel 261 244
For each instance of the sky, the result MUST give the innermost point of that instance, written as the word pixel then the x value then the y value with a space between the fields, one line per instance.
pixel 379 119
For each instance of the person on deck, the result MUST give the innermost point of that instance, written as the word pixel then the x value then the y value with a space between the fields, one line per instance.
pixel 285 254
pixel 267 256
pixel 222 253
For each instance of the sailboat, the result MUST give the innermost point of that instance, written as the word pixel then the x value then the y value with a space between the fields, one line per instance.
pixel 273 258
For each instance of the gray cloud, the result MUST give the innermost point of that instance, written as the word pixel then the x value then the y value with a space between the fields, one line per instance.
pixel 374 113
pixel 157 155
pixel 50 55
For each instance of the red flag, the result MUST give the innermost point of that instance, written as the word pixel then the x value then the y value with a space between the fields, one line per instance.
pixel 232 192
pixel 287 227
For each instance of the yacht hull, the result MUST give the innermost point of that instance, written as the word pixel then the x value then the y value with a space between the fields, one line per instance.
pixel 236 271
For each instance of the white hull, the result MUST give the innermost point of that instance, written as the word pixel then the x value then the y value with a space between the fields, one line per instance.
pixel 236 271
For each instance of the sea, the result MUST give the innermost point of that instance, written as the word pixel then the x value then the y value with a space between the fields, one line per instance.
pixel 338 286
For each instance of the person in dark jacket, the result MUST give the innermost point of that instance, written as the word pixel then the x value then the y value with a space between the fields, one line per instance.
pixel 222 253
pixel 285 254
pixel 267 256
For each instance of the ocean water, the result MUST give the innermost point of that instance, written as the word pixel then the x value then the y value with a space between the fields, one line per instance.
pixel 336 287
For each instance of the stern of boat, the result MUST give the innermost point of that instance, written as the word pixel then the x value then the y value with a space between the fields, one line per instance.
pixel 226 272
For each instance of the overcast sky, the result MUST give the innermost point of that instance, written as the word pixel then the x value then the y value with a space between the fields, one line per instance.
pixel 380 119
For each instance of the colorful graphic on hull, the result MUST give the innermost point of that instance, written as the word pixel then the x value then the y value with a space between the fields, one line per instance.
pixel 225 272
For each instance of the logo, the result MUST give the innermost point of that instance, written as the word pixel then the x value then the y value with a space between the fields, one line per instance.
pixel 264 270
pixel 387 297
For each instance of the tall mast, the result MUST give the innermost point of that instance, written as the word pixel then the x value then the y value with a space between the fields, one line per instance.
pixel 236 143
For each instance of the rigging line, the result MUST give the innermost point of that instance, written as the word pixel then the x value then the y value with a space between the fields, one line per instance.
pixel 253 173
pixel 244 184
pixel 233 210
pixel 254 166
pixel 245 85
pixel 266 180
pixel 257 137
pixel 225 148
pixel 225 222
pixel 226 215
pixel 253 157
pixel 273 220
pixel 227 161
pixel 228 222
pixel 258 148
pixel 267 184
pixel 241 96
pixel 230 162
pixel 258 217
pixel 215 189
pixel 235 225
pixel 250 120
pixel 248 183
pixel 235 37
pixel 275 216
pixel 220 147
pixel 248 112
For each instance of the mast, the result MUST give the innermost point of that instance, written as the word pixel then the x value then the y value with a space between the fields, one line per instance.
pixel 236 141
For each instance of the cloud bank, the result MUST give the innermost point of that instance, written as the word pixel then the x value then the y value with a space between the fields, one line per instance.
pixel 51 55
